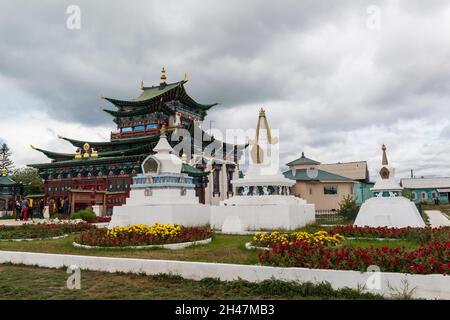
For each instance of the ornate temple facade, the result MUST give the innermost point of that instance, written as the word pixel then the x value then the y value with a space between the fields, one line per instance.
pixel 100 173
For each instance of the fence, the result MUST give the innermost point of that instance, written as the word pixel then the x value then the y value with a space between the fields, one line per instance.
pixel 329 217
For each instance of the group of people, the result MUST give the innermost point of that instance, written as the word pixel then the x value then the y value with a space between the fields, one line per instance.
pixel 26 208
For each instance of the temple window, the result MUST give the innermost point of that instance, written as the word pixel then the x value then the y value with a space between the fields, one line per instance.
pixel 139 128
pixel 414 195
pixel 152 126
pixel 127 129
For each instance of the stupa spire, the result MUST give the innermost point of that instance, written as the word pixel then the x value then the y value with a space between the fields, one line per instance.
pixel 163 77
pixel 384 161
pixel 163 145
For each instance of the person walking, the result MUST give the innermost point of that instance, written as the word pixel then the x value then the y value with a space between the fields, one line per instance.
pixel 66 207
pixel 18 207
pixel 41 209
pixel 25 209
pixel 30 208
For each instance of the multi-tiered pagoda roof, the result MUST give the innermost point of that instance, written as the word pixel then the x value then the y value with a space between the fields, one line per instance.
pixel 138 121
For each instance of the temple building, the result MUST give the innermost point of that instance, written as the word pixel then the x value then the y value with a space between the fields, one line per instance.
pixel 100 173
pixel 9 190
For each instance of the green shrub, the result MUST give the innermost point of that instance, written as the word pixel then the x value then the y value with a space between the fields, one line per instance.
pixel 348 208
pixel 85 215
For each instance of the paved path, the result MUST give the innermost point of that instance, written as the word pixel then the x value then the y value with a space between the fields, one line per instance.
pixel 437 219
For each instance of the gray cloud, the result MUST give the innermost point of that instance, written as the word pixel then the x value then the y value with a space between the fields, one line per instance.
pixel 324 77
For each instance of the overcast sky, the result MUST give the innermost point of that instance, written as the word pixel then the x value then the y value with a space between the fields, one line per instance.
pixel 337 78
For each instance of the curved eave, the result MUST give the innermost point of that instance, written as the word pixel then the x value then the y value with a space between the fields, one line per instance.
pixel 55 155
pixel 139 111
pixel 87 161
pixel 118 142
pixel 176 91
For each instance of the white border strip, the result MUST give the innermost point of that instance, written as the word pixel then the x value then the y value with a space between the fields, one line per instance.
pixel 433 286
pixel 171 246
pixel 33 239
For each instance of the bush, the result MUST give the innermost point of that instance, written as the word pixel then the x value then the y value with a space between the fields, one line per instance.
pixel 85 215
pixel 348 208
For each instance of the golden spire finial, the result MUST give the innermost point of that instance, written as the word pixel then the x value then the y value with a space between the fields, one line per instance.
pixel 142 85
pixel 186 78
pixel 4 172
pixel 385 160
pixel 163 76
pixel 257 152
pixel 262 112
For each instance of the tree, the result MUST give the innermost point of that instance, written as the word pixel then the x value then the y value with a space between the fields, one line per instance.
pixel 5 158
pixel 348 208
pixel 30 180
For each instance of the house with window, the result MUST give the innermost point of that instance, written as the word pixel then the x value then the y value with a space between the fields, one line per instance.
pixel 325 185
pixel 428 190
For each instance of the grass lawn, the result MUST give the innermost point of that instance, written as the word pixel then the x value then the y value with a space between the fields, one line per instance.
pixel 223 249
pixel 23 282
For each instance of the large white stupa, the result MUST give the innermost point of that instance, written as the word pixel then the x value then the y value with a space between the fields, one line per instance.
pixel 161 194
pixel 387 208
pixel 262 199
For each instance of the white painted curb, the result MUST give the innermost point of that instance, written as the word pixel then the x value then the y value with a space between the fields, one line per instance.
pixel 171 246
pixel 33 239
pixel 248 246
pixel 433 286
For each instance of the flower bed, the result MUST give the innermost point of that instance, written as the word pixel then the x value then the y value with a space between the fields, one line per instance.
pixel 277 238
pixel 412 234
pixel 432 257
pixel 99 220
pixel 41 230
pixel 143 235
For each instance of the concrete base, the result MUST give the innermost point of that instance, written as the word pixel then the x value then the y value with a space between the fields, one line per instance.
pixel 432 286
pixel 393 212
pixel 186 215
pixel 232 224
pixel 97 210
pixel 264 217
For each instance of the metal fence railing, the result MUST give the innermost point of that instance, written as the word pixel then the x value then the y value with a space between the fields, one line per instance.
pixel 329 217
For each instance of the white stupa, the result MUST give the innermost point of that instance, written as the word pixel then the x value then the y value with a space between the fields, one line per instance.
pixel 262 199
pixel 387 208
pixel 161 194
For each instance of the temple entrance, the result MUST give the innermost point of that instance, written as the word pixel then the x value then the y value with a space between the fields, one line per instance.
pixel 86 199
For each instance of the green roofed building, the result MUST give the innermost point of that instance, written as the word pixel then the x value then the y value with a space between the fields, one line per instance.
pixel 100 172
pixel 9 190
pixel 325 185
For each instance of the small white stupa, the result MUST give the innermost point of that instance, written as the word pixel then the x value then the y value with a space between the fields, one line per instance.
pixel 262 199
pixel 388 208
pixel 161 194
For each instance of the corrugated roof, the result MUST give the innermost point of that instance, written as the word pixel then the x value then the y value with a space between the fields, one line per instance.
pixel 356 170
pixel 426 183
